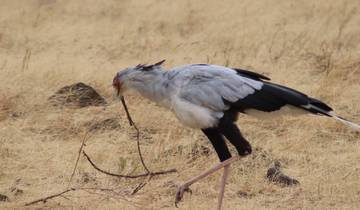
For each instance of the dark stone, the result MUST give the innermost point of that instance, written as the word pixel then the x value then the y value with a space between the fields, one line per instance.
pixel 77 95
pixel 274 174
pixel 3 198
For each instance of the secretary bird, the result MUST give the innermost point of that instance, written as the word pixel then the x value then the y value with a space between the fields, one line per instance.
pixel 209 97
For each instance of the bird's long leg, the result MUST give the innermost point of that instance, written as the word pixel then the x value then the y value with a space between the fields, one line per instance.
pixel 222 186
pixel 218 141
pixel 213 169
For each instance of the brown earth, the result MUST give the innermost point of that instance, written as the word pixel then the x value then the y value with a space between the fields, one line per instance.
pixel 313 46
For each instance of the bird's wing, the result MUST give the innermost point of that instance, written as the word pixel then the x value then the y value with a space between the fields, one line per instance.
pixel 210 86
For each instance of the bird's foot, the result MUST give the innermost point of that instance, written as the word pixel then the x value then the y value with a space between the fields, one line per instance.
pixel 180 192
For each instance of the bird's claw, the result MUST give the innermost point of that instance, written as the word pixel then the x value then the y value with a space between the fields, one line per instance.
pixel 180 192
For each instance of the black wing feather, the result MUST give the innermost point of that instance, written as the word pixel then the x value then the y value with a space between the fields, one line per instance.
pixel 251 74
pixel 272 97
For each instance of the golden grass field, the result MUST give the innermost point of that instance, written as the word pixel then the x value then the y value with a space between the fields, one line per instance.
pixel 313 46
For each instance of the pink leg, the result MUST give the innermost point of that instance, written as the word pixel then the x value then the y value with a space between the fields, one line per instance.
pixel 182 188
pixel 222 186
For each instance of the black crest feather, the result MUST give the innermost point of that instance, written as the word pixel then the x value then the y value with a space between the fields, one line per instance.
pixel 145 67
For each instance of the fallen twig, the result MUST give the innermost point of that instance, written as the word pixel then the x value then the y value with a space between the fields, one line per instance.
pixel 89 189
pixel 128 176
pixel 78 157
pixel 49 197
pixel 131 122
pixel 61 194
pixel 138 188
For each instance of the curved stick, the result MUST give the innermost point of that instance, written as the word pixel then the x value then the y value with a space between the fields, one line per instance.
pixel 131 122
pixel 127 176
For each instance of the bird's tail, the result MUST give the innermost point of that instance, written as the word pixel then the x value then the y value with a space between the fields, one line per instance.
pixel 346 122
pixel 273 97
pixel 274 100
pixel 317 107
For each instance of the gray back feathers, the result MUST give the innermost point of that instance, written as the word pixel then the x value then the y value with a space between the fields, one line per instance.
pixel 209 85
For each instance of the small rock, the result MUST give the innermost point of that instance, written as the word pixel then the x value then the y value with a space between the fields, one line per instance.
pixel 3 198
pixel 274 174
pixel 77 95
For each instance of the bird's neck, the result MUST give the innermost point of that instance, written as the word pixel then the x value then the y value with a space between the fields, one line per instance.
pixel 154 86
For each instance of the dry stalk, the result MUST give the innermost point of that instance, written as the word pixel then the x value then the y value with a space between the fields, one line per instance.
pixel 62 193
pixel 127 176
pixel 78 157
pixel 131 122
pixel 49 197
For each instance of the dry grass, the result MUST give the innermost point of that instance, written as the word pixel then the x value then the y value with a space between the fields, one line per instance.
pixel 313 46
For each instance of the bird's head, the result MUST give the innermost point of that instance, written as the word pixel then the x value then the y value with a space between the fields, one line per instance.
pixel 132 76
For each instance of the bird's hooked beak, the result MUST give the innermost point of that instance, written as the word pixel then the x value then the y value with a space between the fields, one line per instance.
pixel 117 85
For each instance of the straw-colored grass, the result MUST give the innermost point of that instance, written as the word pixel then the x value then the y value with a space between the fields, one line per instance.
pixel 313 46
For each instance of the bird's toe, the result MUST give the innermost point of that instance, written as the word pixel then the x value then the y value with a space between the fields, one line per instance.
pixel 180 192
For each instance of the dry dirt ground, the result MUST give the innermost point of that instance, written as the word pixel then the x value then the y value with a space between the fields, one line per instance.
pixel 313 46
